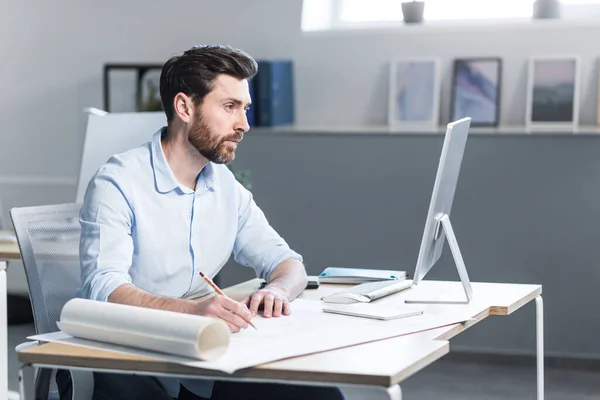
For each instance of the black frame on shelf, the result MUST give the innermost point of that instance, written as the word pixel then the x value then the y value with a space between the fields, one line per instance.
pixel 141 70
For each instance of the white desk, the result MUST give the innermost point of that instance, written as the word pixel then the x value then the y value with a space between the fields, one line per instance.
pixel 378 366
pixel 8 251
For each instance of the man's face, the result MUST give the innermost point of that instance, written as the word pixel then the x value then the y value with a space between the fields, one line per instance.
pixel 220 121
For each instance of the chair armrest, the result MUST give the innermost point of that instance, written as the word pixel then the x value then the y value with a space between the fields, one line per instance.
pixel 26 345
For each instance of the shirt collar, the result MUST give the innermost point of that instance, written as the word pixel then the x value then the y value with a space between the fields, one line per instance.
pixel 165 179
pixel 208 177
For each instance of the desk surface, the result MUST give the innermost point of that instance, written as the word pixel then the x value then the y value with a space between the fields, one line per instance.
pixel 380 363
pixel 9 250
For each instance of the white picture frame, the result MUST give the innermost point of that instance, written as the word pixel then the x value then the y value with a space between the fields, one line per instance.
pixel 553 92
pixel 414 94
pixel 598 92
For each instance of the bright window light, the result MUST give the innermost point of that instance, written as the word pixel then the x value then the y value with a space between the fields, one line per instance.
pixel 373 10
pixel 391 10
pixel 439 10
pixel 465 9
pixel 333 14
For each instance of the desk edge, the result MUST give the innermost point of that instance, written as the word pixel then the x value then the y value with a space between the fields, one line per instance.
pixel 261 372
pixel 494 310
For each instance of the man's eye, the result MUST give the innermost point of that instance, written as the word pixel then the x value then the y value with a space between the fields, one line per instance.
pixel 229 107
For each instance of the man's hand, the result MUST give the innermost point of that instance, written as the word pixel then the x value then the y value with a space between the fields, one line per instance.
pixel 274 300
pixel 234 313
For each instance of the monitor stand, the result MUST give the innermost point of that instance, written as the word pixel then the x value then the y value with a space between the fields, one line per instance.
pixel 422 295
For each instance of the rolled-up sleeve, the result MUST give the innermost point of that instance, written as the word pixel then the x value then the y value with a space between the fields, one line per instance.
pixel 257 244
pixel 106 246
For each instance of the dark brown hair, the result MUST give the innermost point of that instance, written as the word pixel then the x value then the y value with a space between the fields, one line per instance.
pixel 193 73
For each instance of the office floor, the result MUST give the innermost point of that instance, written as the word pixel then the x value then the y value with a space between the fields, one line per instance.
pixel 448 380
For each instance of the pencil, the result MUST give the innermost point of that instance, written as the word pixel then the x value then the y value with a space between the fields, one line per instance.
pixel 219 291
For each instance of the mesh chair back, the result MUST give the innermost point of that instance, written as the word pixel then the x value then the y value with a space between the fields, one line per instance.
pixel 48 238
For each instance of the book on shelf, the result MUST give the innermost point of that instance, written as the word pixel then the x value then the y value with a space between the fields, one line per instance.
pixel 273 88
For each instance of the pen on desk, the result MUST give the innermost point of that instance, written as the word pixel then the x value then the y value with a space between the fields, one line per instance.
pixel 219 291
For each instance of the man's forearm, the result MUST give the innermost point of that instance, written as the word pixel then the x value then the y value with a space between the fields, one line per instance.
pixel 290 277
pixel 234 314
pixel 133 296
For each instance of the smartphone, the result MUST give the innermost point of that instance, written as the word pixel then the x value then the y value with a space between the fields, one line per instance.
pixel 313 282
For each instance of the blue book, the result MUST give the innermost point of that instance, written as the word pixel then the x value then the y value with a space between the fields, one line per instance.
pixel 358 275
pixel 274 92
pixel 251 113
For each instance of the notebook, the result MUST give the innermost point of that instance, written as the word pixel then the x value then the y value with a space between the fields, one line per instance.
pixel 382 312
pixel 358 275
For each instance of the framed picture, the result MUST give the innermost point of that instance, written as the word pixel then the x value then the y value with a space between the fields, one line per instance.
pixel 414 95
pixel 131 87
pixel 476 86
pixel 598 94
pixel 553 92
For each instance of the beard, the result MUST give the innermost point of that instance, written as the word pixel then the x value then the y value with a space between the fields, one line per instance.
pixel 210 145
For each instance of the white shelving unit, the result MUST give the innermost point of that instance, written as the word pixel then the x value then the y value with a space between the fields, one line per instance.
pixel 520 130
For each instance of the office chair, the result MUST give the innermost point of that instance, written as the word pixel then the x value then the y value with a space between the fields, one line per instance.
pixel 48 238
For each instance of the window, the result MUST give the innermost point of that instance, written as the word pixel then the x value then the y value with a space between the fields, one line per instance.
pixel 391 10
pixel 332 14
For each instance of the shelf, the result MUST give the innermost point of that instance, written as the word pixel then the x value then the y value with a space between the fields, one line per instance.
pixel 514 130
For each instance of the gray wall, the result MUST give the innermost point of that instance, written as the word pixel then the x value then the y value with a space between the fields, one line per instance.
pixel 525 211
pixel 53 54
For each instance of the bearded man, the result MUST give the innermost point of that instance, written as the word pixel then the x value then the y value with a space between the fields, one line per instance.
pixel 156 216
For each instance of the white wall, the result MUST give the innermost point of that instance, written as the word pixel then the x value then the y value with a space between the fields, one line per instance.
pixel 52 55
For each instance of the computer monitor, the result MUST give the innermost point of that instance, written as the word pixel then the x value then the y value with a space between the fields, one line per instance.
pixel 437 224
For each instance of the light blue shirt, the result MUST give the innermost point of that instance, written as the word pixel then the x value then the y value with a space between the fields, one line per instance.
pixel 140 226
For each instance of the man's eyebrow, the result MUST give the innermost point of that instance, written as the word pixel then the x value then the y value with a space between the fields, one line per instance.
pixel 236 101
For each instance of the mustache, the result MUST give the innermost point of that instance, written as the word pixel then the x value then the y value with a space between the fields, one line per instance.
pixel 235 137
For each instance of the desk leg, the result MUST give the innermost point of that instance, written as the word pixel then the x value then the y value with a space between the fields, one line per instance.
pixel 539 318
pixel 27 382
pixel 4 335
pixel 3 331
pixel 372 393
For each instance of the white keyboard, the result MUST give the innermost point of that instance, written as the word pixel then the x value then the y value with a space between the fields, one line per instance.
pixel 368 291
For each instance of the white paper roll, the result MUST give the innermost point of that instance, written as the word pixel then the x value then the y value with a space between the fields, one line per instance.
pixel 193 336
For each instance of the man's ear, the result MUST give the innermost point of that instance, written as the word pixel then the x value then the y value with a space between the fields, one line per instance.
pixel 183 107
